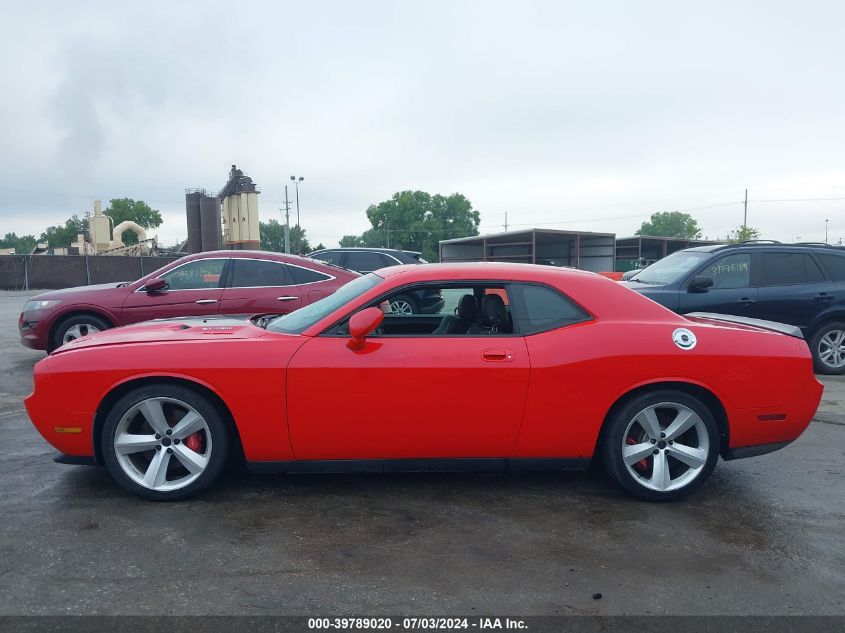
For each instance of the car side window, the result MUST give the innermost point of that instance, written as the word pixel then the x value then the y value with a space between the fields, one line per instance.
pixel 834 265
pixel 195 275
pixel 731 271
pixel 540 309
pixel 365 262
pixel 333 257
pixel 253 273
pixel 784 269
pixel 306 275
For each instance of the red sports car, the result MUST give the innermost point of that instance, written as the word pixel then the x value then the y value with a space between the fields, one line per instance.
pixel 215 282
pixel 530 367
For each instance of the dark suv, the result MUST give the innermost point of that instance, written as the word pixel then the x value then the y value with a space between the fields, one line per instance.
pixel 799 284
pixel 366 260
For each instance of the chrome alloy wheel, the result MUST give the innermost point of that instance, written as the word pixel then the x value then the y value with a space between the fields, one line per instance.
pixel 832 349
pixel 78 331
pixel 665 446
pixel 162 444
pixel 400 306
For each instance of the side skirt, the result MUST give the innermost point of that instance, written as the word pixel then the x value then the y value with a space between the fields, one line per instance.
pixel 467 464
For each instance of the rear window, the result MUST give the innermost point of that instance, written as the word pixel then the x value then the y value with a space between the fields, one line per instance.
pixel 784 269
pixel 834 265
pixel 306 275
pixel 541 309
pixel 256 273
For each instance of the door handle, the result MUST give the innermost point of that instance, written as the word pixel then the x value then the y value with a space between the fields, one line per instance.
pixel 746 301
pixel 286 298
pixel 204 301
pixel 823 296
pixel 496 355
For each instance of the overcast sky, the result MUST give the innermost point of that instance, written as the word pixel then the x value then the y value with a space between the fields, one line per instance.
pixel 573 115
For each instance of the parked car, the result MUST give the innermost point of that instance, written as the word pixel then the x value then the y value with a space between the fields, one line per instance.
pixel 205 284
pixel 367 260
pixel 798 284
pixel 538 368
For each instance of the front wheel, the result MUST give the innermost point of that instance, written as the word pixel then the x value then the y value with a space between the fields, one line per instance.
pixel 77 326
pixel 164 442
pixel 828 348
pixel 661 446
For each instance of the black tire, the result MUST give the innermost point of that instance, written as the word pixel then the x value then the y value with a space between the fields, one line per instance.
pixel 81 321
pixel 216 443
pixel 816 341
pixel 617 435
pixel 404 299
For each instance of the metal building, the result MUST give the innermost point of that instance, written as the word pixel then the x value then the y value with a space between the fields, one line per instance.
pixel 643 250
pixel 578 249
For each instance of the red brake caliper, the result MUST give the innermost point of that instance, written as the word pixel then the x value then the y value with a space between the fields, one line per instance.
pixel 194 441
pixel 640 465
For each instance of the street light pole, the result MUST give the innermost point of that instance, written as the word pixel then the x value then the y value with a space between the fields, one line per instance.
pixel 296 180
pixel 825 229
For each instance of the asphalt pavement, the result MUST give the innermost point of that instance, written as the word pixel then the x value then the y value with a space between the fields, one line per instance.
pixel 763 536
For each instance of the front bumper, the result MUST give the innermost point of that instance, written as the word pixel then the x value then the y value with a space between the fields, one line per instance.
pixel 34 333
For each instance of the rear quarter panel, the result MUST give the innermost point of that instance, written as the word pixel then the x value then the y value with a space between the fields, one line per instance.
pixel 579 372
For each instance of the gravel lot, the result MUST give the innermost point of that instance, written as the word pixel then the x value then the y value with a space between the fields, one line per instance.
pixel 764 536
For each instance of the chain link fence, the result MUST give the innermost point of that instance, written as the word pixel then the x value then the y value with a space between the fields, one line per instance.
pixel 25 272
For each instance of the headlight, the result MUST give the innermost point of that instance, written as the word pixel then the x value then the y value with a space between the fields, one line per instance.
pixel 39 305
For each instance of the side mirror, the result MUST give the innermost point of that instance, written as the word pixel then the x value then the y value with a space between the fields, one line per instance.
pixel 361 324
pixel 700 283
pixel 155 285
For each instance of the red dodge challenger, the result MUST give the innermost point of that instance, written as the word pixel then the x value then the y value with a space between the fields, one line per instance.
pixel 530 367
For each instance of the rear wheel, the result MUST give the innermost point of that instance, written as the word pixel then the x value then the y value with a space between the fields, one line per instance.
pixel 164 442
pixel 828 348
pixel 77 326
pixel 661 445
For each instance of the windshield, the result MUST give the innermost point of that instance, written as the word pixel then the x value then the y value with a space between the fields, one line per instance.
pixel 300 320
pixel 671 268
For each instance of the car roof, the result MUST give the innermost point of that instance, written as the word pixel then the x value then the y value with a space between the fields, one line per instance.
pixel 366 249
pixel 482 270
pixel 712 248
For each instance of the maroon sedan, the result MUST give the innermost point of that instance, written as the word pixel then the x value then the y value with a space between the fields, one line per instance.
pixel 216 282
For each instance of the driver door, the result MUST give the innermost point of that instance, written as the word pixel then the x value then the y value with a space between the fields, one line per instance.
pixel 407 396
pixel 193 289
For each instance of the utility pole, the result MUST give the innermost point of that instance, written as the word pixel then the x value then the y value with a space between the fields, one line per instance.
pixel 296 182
pixel 825 229
pixel 287 221
pixel 506 221
pixel 745 212
pixel 388 234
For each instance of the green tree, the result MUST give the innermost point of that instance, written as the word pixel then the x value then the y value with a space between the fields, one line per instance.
pixel 416 220
pixel 137 211
pixel 670 224
pixel 23 245
pixel 64 236
pixel 742 234
pixel 272 235
pixel 351 240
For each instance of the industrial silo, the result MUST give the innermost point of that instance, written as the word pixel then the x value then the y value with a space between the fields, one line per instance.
pixel 192 211
pixel 240 211
pixel 210 223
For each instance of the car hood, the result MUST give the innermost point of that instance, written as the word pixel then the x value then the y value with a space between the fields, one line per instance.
pixel 640 287
pixel 171 330
pixel 70 292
